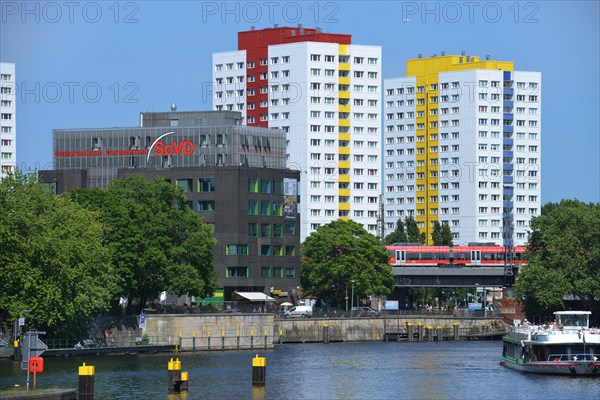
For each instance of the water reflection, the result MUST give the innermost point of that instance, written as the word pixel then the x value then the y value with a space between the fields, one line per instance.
pixel 446 370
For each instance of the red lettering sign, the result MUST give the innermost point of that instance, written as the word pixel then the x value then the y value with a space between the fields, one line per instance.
pixel 184 147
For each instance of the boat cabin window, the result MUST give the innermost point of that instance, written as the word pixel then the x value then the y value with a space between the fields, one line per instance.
pixel 573 319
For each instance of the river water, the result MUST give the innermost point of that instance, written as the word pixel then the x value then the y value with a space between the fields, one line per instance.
pixel 374 370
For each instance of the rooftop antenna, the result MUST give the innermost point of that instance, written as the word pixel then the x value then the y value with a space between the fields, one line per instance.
pixel 173 107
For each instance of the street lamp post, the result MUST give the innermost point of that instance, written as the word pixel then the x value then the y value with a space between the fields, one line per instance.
pixel 352 300
pixel 346 297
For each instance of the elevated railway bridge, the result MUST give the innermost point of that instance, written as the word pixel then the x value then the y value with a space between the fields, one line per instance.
pixel 475 265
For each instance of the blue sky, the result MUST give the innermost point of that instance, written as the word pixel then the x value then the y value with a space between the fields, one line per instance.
pixel 98 64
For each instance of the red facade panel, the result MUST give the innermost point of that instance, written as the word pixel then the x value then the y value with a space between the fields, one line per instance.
pixel 256 43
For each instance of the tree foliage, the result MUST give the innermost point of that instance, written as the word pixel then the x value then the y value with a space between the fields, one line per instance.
pixel 413 234
pixel 441 235
pixel 52 259
pixel 405 232
pixel 398 236
pixel 563 256
pixel 342 252
pixel 157 242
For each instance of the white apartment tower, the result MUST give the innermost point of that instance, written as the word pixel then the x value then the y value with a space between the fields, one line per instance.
pixel 325 93
pixel 462 146
pixel 8 123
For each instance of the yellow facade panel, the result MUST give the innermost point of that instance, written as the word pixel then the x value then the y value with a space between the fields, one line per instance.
pixel 344 136
pixel 344 95
pixel 343 49
pixel 344 109
pixel 342 80
pixel 344 150
pixel 344 192
pixel 344 178
pixel 344 164
pixel 344 206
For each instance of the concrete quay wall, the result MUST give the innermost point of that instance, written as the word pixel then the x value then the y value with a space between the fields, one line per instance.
pixel 240 331
pixel 227 331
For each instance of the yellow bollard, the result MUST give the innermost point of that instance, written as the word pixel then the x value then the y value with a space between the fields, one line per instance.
pixel 174 375
pixel 259 371
pixel 86 382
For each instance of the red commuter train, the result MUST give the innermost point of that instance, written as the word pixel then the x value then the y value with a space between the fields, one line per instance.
pixel 416 255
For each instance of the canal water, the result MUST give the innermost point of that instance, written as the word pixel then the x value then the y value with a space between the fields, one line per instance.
pixel 374 370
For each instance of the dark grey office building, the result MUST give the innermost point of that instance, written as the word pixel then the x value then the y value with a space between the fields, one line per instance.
pixel 234 176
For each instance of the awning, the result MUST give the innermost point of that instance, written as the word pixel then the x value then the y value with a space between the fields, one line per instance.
pixel 252 296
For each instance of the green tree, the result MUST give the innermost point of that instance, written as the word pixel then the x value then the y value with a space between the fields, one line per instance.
pixel 158 242
pixel 398 236
pixel 413 234
pixel 563 256
pixel 340 253
pixel 441 235
pixel 52 259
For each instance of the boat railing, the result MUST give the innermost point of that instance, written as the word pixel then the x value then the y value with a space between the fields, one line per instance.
pixel 574 357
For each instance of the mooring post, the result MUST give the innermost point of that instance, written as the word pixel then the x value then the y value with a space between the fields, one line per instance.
pixel 86 382
pixel 259 371
pixel 174 375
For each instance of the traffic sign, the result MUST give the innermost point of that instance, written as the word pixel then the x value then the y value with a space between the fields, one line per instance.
pixel 142 320
pixel 21 321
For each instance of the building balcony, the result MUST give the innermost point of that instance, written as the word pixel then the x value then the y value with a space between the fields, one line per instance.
pixel 508 141
pixel 508 116
pixel 343 50
pixel 343 80
pixel 344 150
pixel 507 128
pixel 344 109
pixel 507 179
pixel 344 218
pixel 344 67
pixel 344 192
pixel 344 95
pixel 508 90
pixel 344 178
pixel 344 136
pixel 508 103
pixel 344 164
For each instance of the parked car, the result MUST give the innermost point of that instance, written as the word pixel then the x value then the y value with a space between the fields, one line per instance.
pixel 364 312
pixel 299 311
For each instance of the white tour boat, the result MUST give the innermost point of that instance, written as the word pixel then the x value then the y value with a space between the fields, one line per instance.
pixel 568 346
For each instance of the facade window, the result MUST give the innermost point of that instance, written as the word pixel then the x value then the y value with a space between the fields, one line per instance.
pixel 253 229
pixel 236 272
pixel 206 205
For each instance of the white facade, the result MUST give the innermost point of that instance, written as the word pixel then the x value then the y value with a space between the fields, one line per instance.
pixel 8 119
pixel 337 147
pixel 488 153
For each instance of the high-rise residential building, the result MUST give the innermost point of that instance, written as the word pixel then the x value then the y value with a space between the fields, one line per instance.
pixel 463 147
pixel 8 119
pixel 325 93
